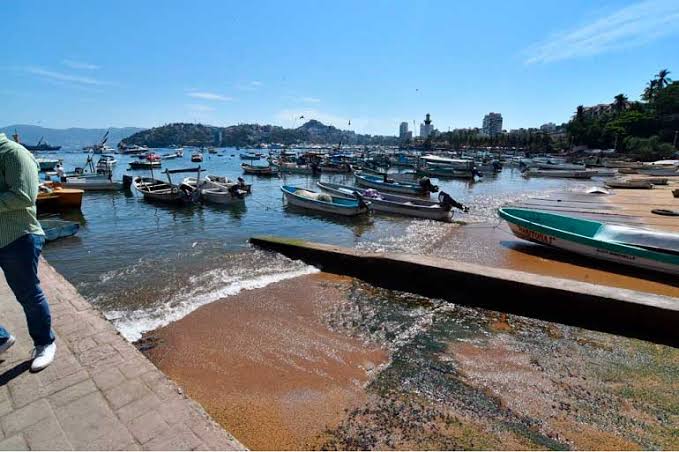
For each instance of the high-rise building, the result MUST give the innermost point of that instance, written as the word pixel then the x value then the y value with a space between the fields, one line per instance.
pixel 426 128
pixel 492 124
pixel 403 131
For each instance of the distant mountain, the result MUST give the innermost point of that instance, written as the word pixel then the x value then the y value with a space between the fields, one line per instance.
pixel 74 137
pixel 251 134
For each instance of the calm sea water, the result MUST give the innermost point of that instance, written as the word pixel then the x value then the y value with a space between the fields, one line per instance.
pixel 145 265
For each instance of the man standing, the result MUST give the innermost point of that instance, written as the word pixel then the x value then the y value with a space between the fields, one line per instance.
pixel 21 241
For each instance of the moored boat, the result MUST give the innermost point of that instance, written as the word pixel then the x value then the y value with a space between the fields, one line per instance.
pixel 92 182
pixel 384 183
pixel 568 174
pixel 397 204
pixel 643 248
pixel 626 183
pixel 322 202
pixel 215 193
pixel 56 229
pixel 47 164
pixel 259 170
pixel 197 157
pixel 52 197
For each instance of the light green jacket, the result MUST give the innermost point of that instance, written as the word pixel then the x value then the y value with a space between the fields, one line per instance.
pixel 18 189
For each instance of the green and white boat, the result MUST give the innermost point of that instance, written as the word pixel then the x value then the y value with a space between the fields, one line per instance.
pixel 643 248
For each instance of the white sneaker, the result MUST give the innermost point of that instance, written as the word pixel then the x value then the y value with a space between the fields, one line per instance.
pixel 43 355
pixel 7 344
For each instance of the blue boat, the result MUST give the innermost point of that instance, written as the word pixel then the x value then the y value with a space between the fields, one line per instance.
pixel 56 229
pixel 323 202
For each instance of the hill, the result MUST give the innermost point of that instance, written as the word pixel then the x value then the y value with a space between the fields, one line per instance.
pixel 73 137
pixel 250 134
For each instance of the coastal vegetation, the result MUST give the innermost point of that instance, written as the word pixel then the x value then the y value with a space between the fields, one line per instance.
pixel 251 134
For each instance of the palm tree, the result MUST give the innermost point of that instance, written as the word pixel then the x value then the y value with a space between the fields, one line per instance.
pixel 650 91
pixel 620 103
pixel 663 79
pixel 580 113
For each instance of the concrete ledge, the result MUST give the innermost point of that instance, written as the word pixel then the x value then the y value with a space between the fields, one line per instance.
pixel 609 309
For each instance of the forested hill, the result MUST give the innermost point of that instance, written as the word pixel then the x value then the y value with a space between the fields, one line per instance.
pixel 250 134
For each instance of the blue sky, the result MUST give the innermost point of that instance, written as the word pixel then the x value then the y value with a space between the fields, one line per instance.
pixel 374 62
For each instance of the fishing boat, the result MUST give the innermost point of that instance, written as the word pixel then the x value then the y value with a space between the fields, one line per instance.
pixel 249 156
pixel 196 157
pixel 145 164
pixel 384 183
pixel 435 166
pixel 322 202
pixel 558 166
pixel 332 167
pixel 92 182
pixel 293 168
pixel 216 193
pixel 225 181
pixel 211 150
pixel 56 229
pixel 174 155
pixel 659 171
pixel 167 192
pixel 52 197
pixel 568 174
pixel 626 183
pixel 259 170
pixel 643 248
pixel 396 204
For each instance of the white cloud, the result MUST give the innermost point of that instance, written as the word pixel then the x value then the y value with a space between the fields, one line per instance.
pixel 60 76
pixel 73 64
pixel 631 26
pixel 200 108
pixel 249 86
pixel 208 96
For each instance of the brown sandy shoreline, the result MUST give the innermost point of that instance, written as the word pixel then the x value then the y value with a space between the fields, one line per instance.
pixel 266 364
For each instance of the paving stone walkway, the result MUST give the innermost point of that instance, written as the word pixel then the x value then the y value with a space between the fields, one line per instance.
pixel 100 393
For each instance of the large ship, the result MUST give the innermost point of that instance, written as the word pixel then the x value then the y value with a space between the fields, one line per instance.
pixel 41 146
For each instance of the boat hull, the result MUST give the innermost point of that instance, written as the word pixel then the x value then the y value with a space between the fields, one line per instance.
pixel 612 252
pixel 395 188
pixel 320 206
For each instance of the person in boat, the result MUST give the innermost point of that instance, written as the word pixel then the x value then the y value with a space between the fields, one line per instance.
pixel 21 241
pixel 61 174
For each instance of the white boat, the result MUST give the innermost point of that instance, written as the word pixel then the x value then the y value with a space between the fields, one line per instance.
pixel 215 193
pixel 534 172
pixel 167 192
pixel 92 182
pixel 47 164
pixel 558 166
pixel 384 183
pixel 659 170
pixel 396 204
pixel 106 163
pixel 339 205
pixel 226 182
pixel 627 183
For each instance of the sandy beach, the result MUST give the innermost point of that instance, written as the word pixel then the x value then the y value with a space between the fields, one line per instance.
pixel 327 362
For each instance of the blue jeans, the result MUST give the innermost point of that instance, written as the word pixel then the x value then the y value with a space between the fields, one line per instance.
pixel 19 262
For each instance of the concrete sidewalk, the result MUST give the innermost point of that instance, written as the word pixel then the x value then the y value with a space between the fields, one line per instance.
pixel 100 393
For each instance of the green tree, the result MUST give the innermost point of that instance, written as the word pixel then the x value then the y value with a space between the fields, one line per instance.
pixel 620 103
pixel 663 79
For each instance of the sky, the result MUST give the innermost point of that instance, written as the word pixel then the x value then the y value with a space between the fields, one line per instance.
pixel 373 63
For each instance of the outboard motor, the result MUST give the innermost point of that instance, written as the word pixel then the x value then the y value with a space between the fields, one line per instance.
pixel 426 185
pixel 447 202
pixel 127 181
pixel 235 192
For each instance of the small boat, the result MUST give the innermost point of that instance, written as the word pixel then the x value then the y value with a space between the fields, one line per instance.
pixel 196 157
pixel 626 183
pixel 215 193
pixel 167 192
pixel 651 180
pixel 174 155
pixel 52 197
pixel 558 166
pixel 293 168
pixel 211 150
pixel 47 164
pixel 396 204
pixel 56 229
pixel 249 156
pixel 145 164
pixel 259 170
pixel 568 174
pixel 226 182
pixel 660 171
pixel 643 248
pixel 92 182
pixel 41 146
pixel 338 168
pixel 106 163
pixel 384 183
pixel 322 202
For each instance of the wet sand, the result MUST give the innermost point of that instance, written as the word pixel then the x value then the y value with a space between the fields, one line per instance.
pixel 495 245
pixel 265 365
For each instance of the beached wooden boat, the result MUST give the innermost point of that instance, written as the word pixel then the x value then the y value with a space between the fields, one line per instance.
pixel 659 171
pixel 650 180
pixel 259 170
pixel 568 174
pixel 339 205
pixel 643 248
pixel 397 204
pixel 384 183
pixel 56 229
pixel 625 183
